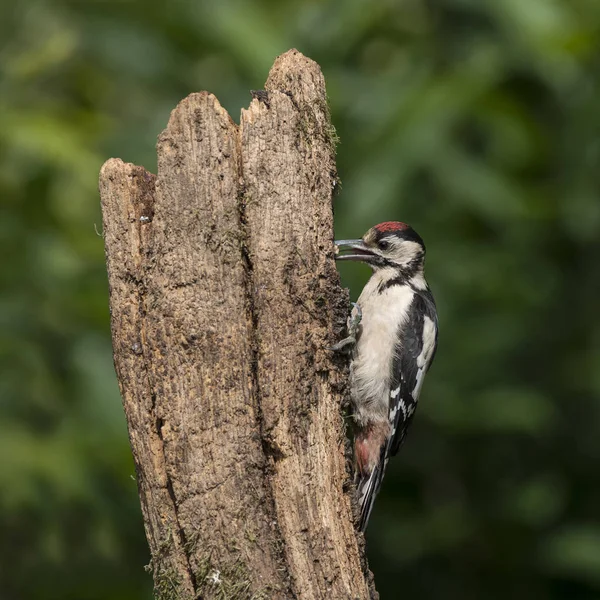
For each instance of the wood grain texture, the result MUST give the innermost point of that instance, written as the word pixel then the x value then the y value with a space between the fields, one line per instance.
pixel 224 299
pixel 288 165
pixel 127 194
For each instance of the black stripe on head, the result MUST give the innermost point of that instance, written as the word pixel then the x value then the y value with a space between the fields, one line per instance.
pixel 398 229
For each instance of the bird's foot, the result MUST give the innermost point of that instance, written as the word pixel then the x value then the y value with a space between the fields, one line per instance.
pixel 348 343
pixel 344 345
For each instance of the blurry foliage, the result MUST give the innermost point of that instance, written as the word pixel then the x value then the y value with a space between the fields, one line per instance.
pixel 477 121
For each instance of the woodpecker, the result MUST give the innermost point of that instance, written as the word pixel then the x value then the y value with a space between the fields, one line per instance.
pixel 393 332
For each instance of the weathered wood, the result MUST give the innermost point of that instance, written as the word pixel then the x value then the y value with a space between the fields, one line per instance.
pixel 224 299
pixel 288 161
pixel 127 194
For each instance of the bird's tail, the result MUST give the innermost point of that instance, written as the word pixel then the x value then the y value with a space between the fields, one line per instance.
pixel 367 488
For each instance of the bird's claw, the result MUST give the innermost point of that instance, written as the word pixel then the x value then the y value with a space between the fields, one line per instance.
pixel 344 345
pixel 354 320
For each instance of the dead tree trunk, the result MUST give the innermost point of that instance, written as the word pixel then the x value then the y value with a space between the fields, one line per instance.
pixel 224 299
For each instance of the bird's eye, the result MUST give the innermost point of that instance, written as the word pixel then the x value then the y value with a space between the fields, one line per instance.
pixel 384 245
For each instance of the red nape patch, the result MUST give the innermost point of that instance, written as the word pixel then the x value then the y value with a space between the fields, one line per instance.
pixel 391 226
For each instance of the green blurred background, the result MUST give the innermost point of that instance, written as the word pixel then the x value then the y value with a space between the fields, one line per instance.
pixel 477 121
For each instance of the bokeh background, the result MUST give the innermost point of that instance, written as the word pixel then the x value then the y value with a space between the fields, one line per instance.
pixel 477 121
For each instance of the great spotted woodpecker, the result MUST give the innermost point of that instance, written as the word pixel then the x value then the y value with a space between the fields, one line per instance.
pixel 393 331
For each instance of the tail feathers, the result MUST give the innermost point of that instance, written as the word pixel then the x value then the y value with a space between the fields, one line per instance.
pixel 367 488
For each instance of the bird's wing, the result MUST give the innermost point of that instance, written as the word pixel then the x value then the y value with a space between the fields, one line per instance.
pixel 413 358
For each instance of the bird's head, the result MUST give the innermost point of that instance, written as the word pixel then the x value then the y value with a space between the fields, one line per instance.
pixel 387 245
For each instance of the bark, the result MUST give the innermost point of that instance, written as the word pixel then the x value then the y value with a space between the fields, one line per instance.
pixel 224 299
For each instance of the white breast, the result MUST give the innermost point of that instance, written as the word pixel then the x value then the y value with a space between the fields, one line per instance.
pixel 370 373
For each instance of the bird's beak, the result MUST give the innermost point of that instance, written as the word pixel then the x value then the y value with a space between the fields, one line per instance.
pixel 352 250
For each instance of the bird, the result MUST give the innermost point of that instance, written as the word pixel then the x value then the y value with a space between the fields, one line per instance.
pixel 392 340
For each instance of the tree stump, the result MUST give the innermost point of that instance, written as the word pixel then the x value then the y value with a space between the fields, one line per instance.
pixel 224 299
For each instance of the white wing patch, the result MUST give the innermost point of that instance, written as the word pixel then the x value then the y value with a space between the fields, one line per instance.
pixel 424 358
pixel 394 409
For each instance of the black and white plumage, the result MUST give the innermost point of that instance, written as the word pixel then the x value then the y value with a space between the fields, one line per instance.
pixel 394 345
